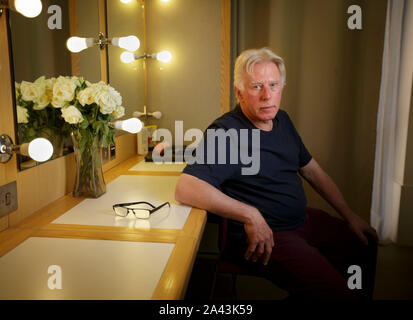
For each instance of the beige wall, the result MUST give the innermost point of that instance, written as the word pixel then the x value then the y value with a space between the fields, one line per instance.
pixel 333 82
pixel 188 88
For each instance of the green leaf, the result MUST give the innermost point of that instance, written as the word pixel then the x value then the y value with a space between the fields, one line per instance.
pixel 84 123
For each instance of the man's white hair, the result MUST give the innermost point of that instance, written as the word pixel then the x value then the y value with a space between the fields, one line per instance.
pixel 246 61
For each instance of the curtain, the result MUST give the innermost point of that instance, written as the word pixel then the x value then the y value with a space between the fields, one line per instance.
pixel 391 126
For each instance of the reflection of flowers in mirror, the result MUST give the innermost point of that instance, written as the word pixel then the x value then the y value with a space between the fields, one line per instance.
pixel 56 106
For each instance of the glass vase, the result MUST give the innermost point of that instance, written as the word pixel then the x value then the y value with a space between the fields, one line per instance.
pixel 89 182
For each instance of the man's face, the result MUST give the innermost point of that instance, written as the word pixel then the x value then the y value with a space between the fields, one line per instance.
pixel 261 97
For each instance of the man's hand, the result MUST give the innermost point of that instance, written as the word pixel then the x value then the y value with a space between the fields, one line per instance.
pixel 361 227
pixel 326 187
pixel 198 193
pixel 260 238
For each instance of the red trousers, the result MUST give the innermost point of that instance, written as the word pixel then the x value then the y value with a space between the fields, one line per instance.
pixel 312 261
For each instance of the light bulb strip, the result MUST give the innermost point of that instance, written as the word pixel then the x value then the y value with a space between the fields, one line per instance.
pixel 6 148
pixel 101 41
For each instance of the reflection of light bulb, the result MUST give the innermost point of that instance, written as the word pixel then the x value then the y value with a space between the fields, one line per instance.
pixel 164 0
pixel 76 44
pixel 28 8
pixel 127 57
pixel 40 149
pixel 125 1
pixel 163 56
pixel 130 43
pixel 132 125
pixel 157 114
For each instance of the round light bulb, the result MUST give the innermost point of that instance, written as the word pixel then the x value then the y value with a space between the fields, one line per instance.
pixel 157 114
pixel 130 43
pixel 127 57
pixel 132 125
pixel 28 8
pixel 164 56
pixel 77 44
pixel 40 149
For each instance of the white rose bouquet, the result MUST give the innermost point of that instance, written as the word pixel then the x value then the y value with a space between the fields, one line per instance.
pixel 64 104
pixel 67 105
pixel 89 114
pixel 37 116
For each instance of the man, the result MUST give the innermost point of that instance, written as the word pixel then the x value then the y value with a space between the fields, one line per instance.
pixel 269 231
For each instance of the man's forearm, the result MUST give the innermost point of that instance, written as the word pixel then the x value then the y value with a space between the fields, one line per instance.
pixel 325 186
pixel 198 193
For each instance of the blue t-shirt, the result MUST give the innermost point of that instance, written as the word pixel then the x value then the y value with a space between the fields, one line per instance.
pixel 276 190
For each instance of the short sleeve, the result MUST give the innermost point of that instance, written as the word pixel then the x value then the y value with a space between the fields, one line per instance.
pixel 304 156
pixel 207 167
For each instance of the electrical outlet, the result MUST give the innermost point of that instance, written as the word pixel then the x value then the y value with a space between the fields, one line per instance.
pixel 8 198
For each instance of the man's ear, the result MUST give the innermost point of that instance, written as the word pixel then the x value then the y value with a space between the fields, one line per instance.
pixel 238 94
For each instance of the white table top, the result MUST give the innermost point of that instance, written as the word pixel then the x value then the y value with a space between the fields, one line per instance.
pixel 157 167
pixel 131 188
pixel 90 269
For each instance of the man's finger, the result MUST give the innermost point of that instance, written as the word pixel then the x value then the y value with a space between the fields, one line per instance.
pixel 250 251
pixel 259 250
pixel 267 253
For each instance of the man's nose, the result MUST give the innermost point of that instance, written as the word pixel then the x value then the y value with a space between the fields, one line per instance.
pixel 266 93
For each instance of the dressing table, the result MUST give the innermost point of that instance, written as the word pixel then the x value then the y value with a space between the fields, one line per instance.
pixel 83 247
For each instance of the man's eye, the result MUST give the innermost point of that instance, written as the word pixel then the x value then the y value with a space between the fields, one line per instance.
pixel 257 86
pixel 275 84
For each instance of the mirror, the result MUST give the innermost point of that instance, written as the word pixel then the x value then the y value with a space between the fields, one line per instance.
pixel 38 48
pixel 124 19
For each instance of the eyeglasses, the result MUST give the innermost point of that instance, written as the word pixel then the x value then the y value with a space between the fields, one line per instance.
pixel 141 209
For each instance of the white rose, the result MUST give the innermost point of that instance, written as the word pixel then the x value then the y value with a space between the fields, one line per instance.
pixel 22 115
pixel 86 96
pixel 49 88
pixel 72 115
pixel 59 103
pixel 118 112
pixel 76 80
pixel 105 100
pixel 116 95
pixel 40 80
pixel 31 91
pixel 64 89
pixel 41 102
pixel 17 89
